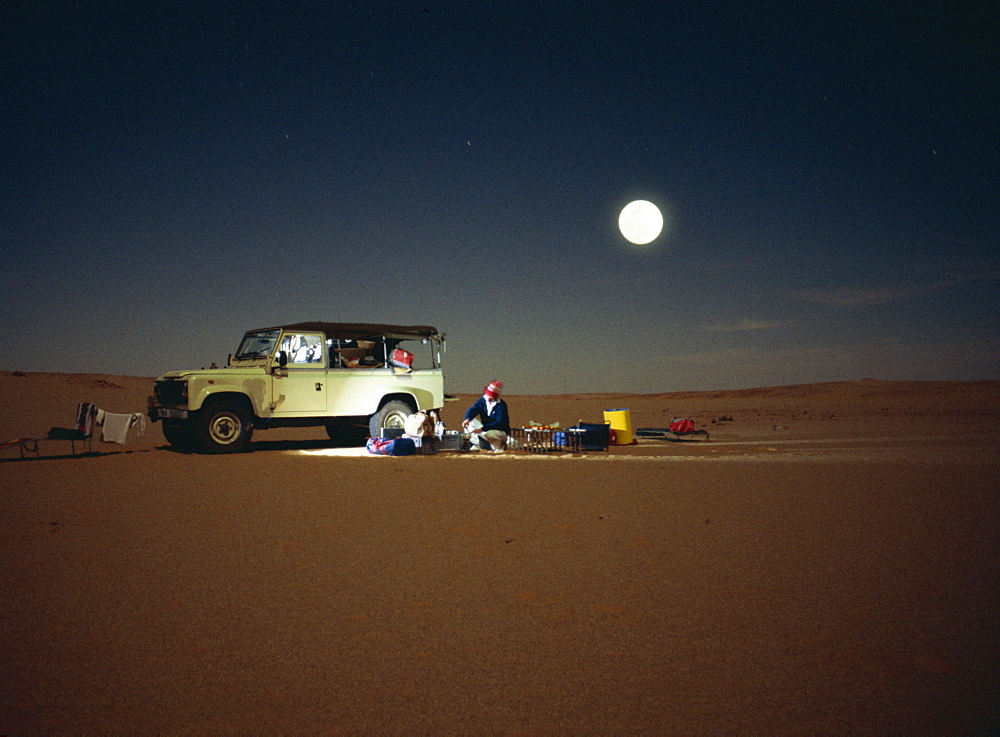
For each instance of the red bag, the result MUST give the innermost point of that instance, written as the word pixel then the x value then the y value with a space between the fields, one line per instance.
pixel 401 358
pixel 682 426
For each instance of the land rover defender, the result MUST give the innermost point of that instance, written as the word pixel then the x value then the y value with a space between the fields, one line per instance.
pixel 351 378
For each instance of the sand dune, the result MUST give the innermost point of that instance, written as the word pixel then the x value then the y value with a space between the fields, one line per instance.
pixel 826 564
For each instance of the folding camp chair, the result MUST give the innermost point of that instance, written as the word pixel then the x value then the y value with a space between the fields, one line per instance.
pixel 87 418
pixel 86 421
pixel 23 445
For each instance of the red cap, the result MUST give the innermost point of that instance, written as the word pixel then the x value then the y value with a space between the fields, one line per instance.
pixel 493 389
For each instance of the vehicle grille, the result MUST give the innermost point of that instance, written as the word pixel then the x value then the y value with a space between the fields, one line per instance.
pixel 171 393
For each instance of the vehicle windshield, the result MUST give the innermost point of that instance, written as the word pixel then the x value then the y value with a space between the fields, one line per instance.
pixel 257 345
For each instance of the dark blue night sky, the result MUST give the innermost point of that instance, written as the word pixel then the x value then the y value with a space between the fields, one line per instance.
pixel 175 173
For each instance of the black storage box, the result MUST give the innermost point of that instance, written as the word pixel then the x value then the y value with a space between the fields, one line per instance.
pixel 596 435
pixel 429 446
pixel 451 440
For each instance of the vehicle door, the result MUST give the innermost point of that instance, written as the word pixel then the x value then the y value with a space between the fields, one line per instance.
pixel 299 387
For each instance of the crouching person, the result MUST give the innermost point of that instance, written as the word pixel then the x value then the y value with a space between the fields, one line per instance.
pixel 487 421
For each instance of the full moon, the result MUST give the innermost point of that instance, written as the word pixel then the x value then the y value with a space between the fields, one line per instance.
pixel 640 222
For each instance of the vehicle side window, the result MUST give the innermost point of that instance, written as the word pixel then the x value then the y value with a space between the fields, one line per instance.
pixel 303 349
pixel 353 354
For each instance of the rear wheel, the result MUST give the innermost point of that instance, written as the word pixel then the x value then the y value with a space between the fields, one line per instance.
pixel 392 415
pixel 224 426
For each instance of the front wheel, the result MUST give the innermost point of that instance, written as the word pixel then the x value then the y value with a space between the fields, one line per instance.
pixel 346 432
pixel 392 415
pixel 224 427
pixel 178 434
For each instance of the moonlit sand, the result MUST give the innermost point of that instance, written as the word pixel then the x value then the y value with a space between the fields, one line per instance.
pixel 826 564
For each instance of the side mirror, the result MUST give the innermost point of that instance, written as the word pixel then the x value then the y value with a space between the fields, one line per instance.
pixel 282 359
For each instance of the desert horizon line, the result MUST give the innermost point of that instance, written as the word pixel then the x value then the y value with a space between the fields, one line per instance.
pixel 835 382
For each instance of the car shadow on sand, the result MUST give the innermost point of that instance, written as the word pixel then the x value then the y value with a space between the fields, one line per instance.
pixel 261 446
pixel 41 456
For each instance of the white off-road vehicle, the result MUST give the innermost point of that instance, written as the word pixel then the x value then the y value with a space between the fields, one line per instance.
pixel 352 379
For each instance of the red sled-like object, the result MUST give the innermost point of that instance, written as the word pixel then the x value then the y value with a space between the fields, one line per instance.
pixel 679 430
pixel 401 358
pixel 679 426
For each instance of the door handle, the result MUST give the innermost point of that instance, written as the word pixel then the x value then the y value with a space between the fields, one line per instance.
pixel 319 386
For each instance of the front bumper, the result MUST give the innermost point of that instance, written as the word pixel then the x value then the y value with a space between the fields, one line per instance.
pixel 162 413
pixel 172 414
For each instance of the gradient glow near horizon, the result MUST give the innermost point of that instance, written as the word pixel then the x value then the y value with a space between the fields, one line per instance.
pixel 174 176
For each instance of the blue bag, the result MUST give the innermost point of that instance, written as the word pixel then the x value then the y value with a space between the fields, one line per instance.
pixel 391 446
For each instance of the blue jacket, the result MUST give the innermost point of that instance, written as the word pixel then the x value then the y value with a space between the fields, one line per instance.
pixel 495 420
